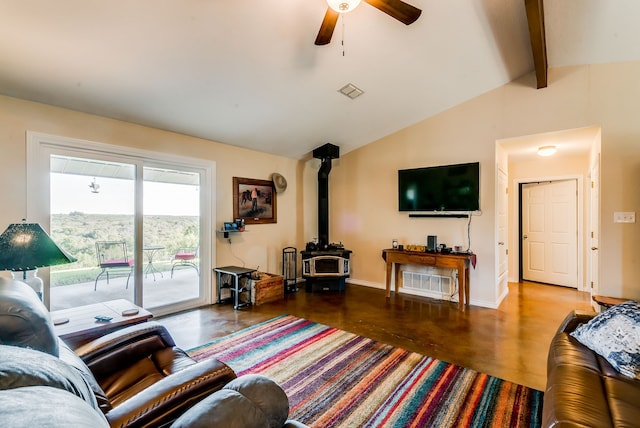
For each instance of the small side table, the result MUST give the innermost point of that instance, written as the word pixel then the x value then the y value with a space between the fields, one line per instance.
pixel 77 326
pixel 236 272
pixel 606 302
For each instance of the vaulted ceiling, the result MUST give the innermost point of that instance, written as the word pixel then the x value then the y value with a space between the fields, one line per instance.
pixel 247 72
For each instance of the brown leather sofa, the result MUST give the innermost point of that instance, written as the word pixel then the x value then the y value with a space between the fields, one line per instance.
pixel 583 389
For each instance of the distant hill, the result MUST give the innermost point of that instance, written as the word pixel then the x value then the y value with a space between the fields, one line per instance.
pixel 77 234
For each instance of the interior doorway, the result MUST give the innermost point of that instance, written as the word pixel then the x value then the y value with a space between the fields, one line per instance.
pixel 549 232
pixel 576 151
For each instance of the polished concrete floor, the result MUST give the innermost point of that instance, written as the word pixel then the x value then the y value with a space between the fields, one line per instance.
pixel 510 342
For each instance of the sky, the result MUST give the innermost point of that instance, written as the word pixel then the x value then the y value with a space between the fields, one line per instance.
pixel 72 193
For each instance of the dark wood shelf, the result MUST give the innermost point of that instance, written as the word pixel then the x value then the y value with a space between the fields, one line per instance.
pixel 226 233
pixel 445 215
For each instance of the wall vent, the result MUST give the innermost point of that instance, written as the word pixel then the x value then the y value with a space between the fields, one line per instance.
pixel 429 284
pixel 350 90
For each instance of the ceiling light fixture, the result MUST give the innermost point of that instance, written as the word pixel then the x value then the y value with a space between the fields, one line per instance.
pixel 343 6
pixel 547 150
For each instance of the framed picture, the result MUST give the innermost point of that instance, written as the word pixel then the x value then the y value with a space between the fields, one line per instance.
pixel 254 200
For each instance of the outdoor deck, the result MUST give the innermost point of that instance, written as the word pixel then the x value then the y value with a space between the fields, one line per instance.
pixel 183 286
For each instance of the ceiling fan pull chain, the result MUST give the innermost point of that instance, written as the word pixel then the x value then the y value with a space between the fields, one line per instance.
pixel 342 19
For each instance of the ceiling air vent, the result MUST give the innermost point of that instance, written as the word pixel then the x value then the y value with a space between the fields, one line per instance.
pixel 351 91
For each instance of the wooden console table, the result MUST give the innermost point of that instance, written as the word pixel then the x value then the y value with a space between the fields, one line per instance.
pixel 459 262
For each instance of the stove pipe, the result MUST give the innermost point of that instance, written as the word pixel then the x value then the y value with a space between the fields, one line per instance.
pixel 325 153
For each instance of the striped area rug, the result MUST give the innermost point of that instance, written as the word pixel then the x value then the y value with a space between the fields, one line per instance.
pixel 338 379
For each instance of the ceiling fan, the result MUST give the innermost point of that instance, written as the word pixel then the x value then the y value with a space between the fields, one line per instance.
pixel 397 9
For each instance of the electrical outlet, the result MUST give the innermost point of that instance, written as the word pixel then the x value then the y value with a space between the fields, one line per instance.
pixel 624 217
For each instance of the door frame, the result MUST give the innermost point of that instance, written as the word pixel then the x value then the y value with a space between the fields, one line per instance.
pixel 517 226
pixel 40 146
pixel 593 279
pixel 502 242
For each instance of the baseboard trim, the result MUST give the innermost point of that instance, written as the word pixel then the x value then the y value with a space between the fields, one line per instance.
pixel 371 284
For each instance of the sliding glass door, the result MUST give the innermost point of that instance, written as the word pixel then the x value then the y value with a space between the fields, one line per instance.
pixel 134 222
pixel 92 217
pixel 171 235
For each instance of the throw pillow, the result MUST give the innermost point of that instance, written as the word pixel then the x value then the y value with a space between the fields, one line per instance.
pixel 615 334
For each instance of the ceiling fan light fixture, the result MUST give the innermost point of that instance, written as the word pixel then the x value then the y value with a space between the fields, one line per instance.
pixel 547 150
pixel 343 6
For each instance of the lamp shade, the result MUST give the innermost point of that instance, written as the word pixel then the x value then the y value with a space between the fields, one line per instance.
pixel 26 246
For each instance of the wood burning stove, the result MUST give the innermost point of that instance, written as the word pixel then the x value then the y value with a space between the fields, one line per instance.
pixel 325 266
pixel 326 269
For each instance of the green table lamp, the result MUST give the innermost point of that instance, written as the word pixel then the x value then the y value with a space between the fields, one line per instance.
pixel 24 247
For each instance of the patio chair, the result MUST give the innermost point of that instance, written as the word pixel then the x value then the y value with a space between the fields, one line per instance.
pixel 112 256
pixel 185 256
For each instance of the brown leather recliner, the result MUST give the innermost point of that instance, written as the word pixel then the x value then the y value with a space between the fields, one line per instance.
pixel 146 379
pixel 138 375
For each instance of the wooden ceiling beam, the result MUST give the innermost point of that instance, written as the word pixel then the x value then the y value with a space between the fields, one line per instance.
pixel 535 19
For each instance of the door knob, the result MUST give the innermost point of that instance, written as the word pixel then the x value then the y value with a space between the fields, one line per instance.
pixel 524 237
pixel 594 248
pixel 500 243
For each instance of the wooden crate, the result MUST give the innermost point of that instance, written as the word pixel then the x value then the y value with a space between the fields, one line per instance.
pixel 268 288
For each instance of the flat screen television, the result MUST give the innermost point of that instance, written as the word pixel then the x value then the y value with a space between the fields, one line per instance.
pixel 447 188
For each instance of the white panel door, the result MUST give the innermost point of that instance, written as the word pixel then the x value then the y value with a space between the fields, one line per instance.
pixel 550 236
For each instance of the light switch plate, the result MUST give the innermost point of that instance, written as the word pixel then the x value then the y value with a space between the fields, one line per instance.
pixel 624 217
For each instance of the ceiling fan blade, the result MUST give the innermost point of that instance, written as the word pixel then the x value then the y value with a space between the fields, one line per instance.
pixel 327 27
pixel 397 9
